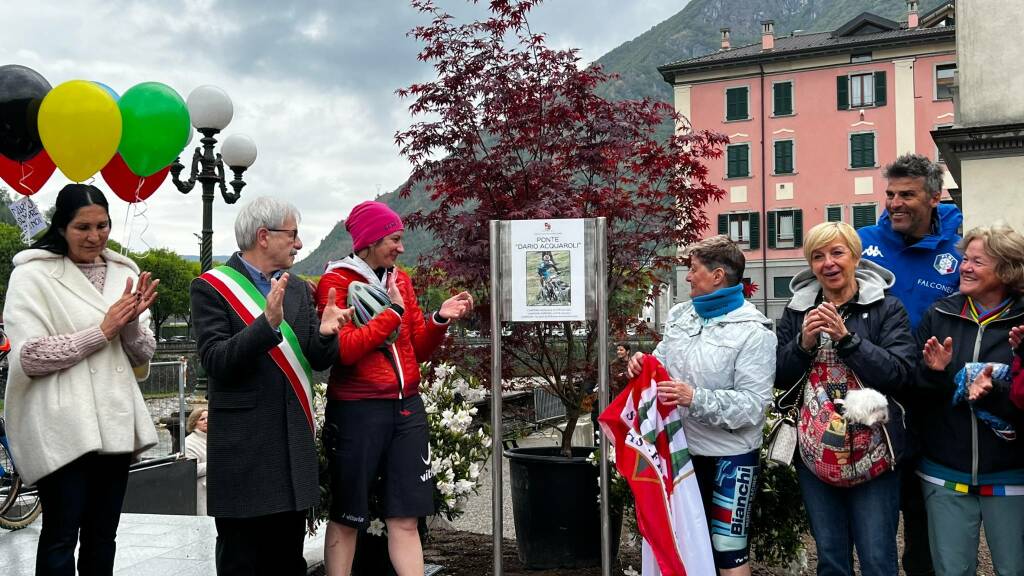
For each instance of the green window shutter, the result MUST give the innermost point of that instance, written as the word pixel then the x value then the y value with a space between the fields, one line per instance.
pixel 736 104
pixel 770 219
pixel 863 216
pixel 862 150
pixel 783 98
pixel 833 214
pixel 784 157
pixel 723 224
pixel 843 92
pixel 755 230
pixel 738 161
pixel 880 88
pixel 798 228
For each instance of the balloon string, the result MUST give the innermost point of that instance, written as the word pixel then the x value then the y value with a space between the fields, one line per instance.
pixel 25 176
pixel 137 209
pixel 140 208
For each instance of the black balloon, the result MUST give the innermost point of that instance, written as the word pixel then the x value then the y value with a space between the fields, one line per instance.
pixel 21 92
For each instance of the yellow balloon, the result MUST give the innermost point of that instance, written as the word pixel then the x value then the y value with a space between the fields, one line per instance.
pixel 80 126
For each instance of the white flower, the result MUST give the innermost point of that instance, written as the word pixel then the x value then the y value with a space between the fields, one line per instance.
pixel 630 571
pixel 376 527
pixel 474 470
pixel 464 486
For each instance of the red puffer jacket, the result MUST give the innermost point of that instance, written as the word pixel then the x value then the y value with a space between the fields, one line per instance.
pixel 364 370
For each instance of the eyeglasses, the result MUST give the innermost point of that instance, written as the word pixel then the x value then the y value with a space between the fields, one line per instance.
pixel 293 232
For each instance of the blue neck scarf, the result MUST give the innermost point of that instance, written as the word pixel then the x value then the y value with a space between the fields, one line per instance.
pixel 719 302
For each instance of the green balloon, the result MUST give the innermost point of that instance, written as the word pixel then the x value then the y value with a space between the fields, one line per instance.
pixel 155 127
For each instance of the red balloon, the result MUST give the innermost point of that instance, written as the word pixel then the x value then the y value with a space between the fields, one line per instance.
pixel 29 176
pixel 129 186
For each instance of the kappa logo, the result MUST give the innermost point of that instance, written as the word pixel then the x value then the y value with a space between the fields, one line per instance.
pixel 945 263
pixel 872 251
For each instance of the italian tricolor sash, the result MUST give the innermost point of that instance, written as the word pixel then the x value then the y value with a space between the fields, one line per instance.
pixel 652 454
pixel 247 301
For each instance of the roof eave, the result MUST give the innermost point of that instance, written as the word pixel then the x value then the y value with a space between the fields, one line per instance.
pixel 669 71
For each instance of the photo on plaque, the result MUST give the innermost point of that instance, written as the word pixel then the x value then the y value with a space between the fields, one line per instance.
pixel 548 285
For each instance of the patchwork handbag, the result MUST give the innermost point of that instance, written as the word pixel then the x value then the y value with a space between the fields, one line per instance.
pixel 840 453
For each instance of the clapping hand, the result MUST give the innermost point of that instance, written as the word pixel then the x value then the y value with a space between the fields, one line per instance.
pixel 275 301
pixel 832 321
pixel 146 293
pixel 982 384
pixel 334 317
pixel 457 306
pixel 938 356
pixel 393 291
pixel 1016 336
pixel 130 305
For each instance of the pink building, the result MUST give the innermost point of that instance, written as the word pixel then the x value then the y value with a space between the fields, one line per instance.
pixel 812 120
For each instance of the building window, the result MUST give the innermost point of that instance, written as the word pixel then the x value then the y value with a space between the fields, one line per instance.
pixel 736 104
pixel 938 153
pixel 783 156
pixel 861 90
pixel 738 161
pixel 833 214
pixel 863 215
pixel 781 285
pixel 743 228
pixel 862 150
pixel 785 229
pixel 783 99
pixel 944 81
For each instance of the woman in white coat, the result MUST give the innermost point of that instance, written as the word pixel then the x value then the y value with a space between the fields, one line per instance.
pixel 77 316
pixel 195 448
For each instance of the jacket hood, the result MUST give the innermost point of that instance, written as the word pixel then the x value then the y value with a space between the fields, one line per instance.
pixel 872 282
pixel 40 255
pixel 359 266
pixel 950 219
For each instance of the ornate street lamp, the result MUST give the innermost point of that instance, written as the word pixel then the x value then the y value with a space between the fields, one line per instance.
pixel 211 111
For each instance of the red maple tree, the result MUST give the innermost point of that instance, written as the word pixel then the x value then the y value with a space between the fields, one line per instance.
pixel 511 129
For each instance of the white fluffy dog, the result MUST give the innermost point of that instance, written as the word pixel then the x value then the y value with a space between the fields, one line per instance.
pixel 866 406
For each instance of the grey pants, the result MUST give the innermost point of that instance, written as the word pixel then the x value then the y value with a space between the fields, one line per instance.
pixel 954 526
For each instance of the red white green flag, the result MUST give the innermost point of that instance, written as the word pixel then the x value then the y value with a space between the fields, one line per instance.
pixel 652 455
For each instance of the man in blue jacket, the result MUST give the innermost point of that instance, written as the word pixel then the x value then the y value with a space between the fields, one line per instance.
pixel 916 239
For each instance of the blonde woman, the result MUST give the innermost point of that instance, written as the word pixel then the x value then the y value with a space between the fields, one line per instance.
pixel 195 448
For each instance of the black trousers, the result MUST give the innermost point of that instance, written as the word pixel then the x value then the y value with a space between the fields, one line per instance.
pixel 917 552
pixel 82 501
pixel 269 544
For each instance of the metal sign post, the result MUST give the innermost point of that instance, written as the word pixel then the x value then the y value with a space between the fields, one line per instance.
pixel 504 305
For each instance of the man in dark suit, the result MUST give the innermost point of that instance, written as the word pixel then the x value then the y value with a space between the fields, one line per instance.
pixel 258 337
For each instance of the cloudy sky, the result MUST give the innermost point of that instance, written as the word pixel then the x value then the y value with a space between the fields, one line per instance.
pixel 312 83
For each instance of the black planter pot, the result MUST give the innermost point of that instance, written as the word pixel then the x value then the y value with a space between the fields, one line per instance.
pixel 556 510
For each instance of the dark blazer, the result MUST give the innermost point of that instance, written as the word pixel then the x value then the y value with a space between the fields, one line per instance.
pixel 261 456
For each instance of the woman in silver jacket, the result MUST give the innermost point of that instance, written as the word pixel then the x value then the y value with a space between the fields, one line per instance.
pixel 720 352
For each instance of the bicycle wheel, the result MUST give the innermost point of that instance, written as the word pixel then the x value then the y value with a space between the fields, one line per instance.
pixel 8 478
pixel 24 509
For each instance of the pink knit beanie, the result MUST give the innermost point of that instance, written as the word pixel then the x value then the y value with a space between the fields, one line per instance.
pixel 370 221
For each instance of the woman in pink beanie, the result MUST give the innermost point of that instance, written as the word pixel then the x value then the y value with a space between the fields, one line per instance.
pixel 376 428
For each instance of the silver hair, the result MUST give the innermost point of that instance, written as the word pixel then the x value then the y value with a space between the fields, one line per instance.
pixel 917 166
pixel 261 212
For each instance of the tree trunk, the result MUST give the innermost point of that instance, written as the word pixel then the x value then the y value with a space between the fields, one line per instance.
pixel 570 428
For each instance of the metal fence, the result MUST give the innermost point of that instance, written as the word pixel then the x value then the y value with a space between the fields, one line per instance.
pixel 546 406
pixel 163 379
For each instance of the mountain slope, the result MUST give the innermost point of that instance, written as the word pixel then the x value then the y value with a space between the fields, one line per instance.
pixel 693 31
